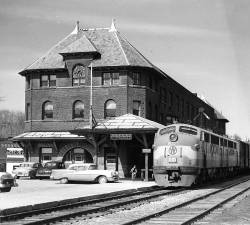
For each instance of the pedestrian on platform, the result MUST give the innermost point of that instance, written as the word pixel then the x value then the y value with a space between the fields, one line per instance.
pixel 133 172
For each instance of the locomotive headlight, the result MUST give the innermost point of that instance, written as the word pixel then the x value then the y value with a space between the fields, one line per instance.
pixel 173 137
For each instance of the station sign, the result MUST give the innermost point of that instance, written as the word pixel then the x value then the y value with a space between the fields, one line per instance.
pixel 115 137
pixel 146 150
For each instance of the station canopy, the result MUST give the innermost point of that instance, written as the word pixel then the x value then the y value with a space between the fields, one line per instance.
pixel 46 135
pixel 127 123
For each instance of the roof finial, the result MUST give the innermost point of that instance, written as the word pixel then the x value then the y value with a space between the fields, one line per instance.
pixel 112 28
pixel 76 30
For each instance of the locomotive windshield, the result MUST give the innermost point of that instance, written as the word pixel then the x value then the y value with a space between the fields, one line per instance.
pixel 167 130
pixel 188 130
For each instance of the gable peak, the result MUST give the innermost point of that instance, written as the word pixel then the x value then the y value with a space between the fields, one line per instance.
pixel 113 26
pixel 76 30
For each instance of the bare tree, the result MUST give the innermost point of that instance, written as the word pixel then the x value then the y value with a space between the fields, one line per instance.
pixel 11 123
pixel 237 137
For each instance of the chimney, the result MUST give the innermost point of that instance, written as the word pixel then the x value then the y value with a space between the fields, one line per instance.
pixel 113 28
pixel 76 30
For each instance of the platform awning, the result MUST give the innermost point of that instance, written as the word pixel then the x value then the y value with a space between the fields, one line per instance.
pixel 46 136
pixel 127 123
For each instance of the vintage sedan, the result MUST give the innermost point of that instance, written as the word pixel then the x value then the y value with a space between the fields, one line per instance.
pixel 45 171
pixel 7 181
pixel 84 172
pixel 27 169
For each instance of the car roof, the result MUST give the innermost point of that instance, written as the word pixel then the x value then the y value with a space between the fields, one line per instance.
pixel 82 164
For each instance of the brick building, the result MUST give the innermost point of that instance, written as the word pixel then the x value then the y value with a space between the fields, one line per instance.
pixel 57 97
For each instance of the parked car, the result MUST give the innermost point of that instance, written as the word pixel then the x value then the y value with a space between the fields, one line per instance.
pixel 84 172
pixel 45 171
pixel 7 181
pixel 27 169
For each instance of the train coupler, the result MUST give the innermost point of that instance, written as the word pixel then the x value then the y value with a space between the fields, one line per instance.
pixel 174 176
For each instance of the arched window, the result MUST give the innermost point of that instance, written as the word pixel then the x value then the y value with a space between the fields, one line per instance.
pixel 47 110
pixel 110 109
pixel 78 110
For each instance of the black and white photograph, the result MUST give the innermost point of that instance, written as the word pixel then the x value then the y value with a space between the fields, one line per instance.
pixel 125 112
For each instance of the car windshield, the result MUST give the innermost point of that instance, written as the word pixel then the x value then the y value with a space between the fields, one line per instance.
pixel 26 165
pixel 50 164
pixel 167 130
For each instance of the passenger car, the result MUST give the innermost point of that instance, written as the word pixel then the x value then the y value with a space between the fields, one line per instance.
pixel 45 171
pixel 84 172
pixel 26 169
pixel 7 181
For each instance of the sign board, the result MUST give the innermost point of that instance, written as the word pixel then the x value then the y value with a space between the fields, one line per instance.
pixel 146 150
pixel 46 150
pixel 120 137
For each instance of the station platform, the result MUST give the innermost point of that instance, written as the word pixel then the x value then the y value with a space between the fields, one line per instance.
pixel 37 194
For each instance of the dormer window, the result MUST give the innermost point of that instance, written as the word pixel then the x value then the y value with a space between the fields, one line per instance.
pixel 79 75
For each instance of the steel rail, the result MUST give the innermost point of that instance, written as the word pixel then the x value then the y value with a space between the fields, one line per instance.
pixel 54 218
pixel 78 203
pixel 165 211
pixel 192 220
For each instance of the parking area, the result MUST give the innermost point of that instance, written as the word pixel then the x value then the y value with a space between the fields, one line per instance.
pixel 32 192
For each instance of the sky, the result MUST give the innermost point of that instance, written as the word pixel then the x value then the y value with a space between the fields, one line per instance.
pixel 202 44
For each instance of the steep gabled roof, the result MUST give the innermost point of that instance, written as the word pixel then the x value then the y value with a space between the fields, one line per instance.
pixel 125 123
pixel 81 44
pixel 115 50
pixel 217 114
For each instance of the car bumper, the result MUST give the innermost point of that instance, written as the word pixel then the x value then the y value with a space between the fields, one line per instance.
pixel 113 179
pixel 8 183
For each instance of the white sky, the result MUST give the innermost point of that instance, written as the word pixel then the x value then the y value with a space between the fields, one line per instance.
pixel 202 44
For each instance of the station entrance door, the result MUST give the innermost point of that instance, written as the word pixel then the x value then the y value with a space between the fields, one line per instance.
pixel 110 159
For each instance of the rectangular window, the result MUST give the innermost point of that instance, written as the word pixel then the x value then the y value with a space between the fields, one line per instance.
pixel 214 140
pixel 109 79
pixel 171 100
pixel 167 130
pixel 230 144
pixel 115 79
pixel 221 141
pixel 178 103
pixel 48 81
pixel 52 80
pixel 27 82
pixel 137 108
pixel 206 137
pixel 188 130
pixel 27 112
pixel 106 79
pixel 136 78
pixel 44 81
pixel 46 157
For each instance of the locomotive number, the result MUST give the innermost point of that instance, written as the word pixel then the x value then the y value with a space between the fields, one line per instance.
pixel 172 160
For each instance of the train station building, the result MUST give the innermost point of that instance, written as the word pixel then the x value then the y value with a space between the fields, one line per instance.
pixel 93 97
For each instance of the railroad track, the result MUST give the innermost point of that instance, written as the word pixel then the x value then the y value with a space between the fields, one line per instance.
pixel 186 211
pixel 86 208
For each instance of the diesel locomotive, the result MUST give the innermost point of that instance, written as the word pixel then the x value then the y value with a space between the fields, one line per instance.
pixel 185 155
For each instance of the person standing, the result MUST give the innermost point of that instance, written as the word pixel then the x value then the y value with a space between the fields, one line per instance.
pixel 133 172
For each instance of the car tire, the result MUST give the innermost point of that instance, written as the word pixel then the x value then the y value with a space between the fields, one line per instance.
pixel 6 189
pixel 64 180
pixel 102 180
